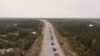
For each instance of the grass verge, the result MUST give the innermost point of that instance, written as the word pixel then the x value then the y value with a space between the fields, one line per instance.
pixel 64 43
pixel 35 48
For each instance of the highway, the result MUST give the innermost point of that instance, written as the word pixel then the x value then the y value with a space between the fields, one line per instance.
pixel 50 45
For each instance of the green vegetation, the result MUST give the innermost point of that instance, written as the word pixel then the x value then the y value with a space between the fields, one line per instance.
pixel 83 34
pixel 17 33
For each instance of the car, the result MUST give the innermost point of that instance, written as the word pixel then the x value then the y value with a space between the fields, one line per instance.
pixel 54 49
pixel 51 37
pixel 52 43
pixel 56 54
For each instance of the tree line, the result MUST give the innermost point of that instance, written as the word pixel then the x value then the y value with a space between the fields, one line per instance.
pixel 19 34
pixel 83 34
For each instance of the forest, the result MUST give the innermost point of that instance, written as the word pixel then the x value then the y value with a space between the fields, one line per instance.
pixel 17 35
pixel 83 34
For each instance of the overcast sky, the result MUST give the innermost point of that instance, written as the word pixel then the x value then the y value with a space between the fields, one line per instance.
pixel 50 8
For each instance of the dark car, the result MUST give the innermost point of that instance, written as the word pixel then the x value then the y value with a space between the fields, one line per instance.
pixel 54 49
pixel 56 54
pixel 52 43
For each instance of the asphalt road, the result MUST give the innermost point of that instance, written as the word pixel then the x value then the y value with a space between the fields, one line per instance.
pixel 50 45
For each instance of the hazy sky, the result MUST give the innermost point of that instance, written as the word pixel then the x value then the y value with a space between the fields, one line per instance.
pixel 50 8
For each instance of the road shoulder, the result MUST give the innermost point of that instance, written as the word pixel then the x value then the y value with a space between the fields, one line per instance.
pixel 64 44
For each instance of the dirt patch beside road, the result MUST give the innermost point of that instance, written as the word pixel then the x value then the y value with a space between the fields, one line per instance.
pixel 35 49
pixel 65 45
